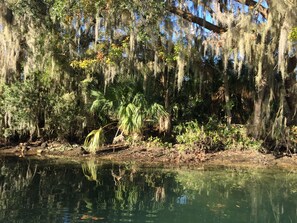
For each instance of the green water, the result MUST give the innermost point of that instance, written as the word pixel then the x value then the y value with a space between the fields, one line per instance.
pixel 44 191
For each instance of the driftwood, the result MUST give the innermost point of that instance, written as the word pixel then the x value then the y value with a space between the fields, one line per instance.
pixel 113 148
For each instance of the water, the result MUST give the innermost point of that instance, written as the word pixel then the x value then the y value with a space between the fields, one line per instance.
pixel 44 191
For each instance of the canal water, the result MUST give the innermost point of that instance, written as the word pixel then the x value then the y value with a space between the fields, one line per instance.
pixel 50 192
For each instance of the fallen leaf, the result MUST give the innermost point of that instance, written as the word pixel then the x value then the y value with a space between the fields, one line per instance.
pixel 85 217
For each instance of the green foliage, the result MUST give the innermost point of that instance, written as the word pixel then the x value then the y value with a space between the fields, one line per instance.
pixel 115 54
pixel 155 111
pixel 189 133
pixel 94 140
pixel 65 115
pixel 23 103
pixel 34 108
pixel 133 115
pixel 213 136
pixel 131 108
pixel 101 106
pixel 130 118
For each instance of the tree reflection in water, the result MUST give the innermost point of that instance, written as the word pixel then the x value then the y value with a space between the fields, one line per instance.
pixel 39 191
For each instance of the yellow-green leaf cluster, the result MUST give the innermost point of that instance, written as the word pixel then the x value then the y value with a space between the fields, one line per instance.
pixel 293 34
pixel 83 64
pixel 115 54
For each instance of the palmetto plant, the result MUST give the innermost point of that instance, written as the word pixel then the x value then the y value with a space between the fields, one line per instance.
pixel 131 114
pixel 134 115
pixel 101 105
pixel 130 118
pixel 131 109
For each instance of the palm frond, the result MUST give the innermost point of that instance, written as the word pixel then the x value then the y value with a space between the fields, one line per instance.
pixel 94 140
pixel 100 104
pixel 139 101
pixel 130 119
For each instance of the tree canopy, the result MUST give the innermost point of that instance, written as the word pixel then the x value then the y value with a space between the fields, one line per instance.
pixel 232 60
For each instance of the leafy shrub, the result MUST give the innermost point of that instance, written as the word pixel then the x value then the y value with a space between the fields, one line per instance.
pixel 189 133
pixel 213 136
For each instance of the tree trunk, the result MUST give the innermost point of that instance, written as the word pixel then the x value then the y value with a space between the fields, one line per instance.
pixel 165 123
pixel 257 120
pixel 291 99
pixel 227 100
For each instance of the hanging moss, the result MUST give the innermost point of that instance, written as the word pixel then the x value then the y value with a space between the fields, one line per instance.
pixel 180 69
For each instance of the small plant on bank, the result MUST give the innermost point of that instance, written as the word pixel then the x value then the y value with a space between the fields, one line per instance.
pixel 156 142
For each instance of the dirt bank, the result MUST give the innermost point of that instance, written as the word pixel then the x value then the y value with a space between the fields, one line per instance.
pixel 153 156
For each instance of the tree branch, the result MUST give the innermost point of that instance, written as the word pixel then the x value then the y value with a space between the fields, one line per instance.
pixel 263 11
pixel 195 19
pixel 217 29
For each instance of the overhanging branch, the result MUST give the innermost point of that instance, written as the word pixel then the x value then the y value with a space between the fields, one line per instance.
pixel 202 22
pixel 263 11
pixel 195 19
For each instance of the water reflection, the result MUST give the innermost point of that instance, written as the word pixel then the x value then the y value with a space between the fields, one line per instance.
pixel 37 191
pixel 90 169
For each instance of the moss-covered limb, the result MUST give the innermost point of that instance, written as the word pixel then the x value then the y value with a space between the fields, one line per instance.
pixel 195 19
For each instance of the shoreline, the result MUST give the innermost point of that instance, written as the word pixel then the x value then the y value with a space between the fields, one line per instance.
pixel 156 156
pixel 227 158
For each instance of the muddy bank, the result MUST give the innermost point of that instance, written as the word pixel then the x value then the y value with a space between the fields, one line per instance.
pixel 152 156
